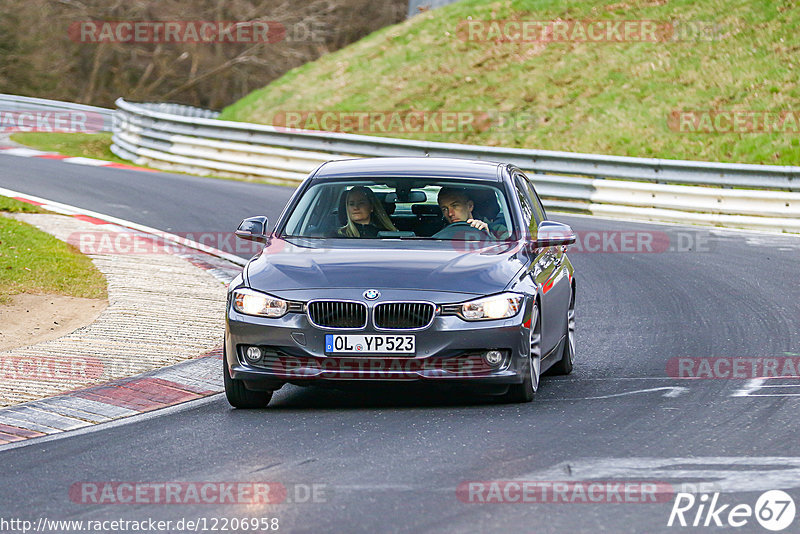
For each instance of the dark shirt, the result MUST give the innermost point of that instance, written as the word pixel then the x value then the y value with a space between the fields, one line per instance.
pixel 364 230
pixel 498 228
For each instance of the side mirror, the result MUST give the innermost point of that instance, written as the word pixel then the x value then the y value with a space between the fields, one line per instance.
pixel 253 229
pixel 553 234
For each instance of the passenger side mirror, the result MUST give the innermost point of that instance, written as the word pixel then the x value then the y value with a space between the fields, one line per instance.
pixel 553 234
pixel 253 229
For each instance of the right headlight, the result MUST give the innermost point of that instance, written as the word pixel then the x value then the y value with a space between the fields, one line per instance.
pixel 251 302
pixel 499 306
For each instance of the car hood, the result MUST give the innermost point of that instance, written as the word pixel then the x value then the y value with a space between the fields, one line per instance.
pixel 422 265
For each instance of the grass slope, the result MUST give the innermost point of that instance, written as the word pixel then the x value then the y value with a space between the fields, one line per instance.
pixel 32 261
pixel 612 98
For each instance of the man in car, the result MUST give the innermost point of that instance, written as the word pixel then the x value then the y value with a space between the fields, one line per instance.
pixel 457 207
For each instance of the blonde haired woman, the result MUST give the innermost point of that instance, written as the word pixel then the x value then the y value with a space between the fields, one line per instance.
pixel 365 214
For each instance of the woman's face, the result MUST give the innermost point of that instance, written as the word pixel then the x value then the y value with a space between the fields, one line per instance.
pixel 358 208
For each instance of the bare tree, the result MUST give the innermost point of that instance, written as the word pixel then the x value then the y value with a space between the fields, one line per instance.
pixel 43 54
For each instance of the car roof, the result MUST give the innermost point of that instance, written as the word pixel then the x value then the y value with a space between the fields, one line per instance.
pixel 412 167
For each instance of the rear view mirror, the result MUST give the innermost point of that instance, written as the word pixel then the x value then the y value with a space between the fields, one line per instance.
pixel 253 229
pixel 409 197
pixel 552 234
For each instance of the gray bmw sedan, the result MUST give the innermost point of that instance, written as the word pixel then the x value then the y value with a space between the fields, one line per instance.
pixel 434 270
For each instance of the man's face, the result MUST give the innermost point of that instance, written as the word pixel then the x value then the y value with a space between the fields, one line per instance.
pixel 455 208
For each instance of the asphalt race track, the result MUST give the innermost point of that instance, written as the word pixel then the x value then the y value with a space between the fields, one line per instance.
pixel 392 459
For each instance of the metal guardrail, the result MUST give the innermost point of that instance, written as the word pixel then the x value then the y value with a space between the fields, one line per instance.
pixel 726 194
pixel 180 109
pixel 16 103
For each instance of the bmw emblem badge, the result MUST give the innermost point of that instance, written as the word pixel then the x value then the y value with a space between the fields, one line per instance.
pixel 371 294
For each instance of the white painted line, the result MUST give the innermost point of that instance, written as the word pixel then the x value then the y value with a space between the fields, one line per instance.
pixel 758 384
pixel 728 474
pixel 749 387
pixel 671 392
pixel 86 161
pixel 24 152
pixel 72 210
pixel 774 395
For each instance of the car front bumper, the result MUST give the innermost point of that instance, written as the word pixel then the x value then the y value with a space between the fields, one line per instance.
pixel 449 350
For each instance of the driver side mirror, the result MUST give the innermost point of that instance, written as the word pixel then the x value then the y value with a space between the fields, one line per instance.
pixel 553 234
pixel 253 229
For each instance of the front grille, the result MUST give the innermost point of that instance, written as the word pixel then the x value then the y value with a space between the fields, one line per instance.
pixel 337 314
pixel 403 315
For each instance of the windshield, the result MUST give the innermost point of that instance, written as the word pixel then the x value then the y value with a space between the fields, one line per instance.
pixel 402 208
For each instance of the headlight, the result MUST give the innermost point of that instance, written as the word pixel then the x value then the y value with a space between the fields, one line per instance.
pixel 252 302
pixel 494 307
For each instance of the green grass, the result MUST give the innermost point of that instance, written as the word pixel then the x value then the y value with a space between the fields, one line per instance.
pixel 32 261
pixel 611 98
pixel 96 146
pixel 10 205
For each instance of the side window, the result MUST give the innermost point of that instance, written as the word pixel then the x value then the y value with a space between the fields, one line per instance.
pixel 538 210
pixel 526 204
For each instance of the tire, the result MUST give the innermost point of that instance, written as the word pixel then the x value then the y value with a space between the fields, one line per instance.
pixel 238 395
pixel 565 364
pixel 525 391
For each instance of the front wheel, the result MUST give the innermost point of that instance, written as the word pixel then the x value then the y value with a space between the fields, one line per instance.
pixel 525 391
pixel 565 364
pixel 238 395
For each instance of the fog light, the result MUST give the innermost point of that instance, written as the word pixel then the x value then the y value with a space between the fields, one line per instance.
pixel 253 354
pixel 493 358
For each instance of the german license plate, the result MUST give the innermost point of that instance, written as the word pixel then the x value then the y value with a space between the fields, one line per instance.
pixel 369 344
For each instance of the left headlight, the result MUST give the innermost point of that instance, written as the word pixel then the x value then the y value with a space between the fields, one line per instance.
pixel 499 306
pixel 252 302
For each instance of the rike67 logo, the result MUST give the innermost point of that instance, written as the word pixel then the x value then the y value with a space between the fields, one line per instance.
pixel 774 510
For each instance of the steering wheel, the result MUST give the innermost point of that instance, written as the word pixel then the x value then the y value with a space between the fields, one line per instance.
pixel 453 229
